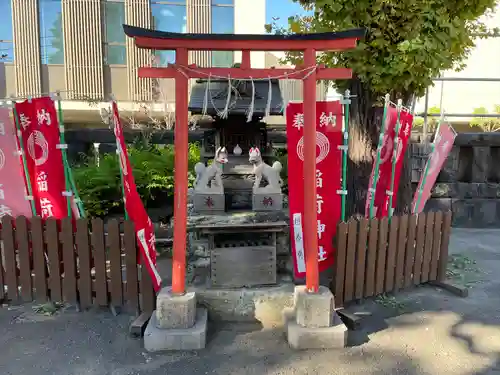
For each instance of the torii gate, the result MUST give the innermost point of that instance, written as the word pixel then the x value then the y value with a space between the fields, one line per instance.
pixel 181 71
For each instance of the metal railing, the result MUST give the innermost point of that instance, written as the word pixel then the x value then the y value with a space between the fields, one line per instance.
pixel 426 113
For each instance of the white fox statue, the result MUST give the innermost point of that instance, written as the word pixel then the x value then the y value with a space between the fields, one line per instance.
pixel 263 170
pixel 209 179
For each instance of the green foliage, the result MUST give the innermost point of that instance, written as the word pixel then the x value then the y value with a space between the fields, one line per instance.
pixel 432 122
pixel 487 124
pixel 407 44
pixel 100 186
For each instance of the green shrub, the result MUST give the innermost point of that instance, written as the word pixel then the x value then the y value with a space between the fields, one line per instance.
pixel 418 122
pixel 486 124
pixel 100 186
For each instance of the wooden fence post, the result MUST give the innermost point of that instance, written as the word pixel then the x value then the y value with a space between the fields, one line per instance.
pixel 9 248
pixel 23 248
pixel 340 263
pixel 443 251
pixel 99 256
pixel 84 255
pixel 130 245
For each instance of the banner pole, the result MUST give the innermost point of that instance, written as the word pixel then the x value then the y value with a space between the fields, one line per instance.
pixel 121 175
pixel 345 130
pixel 394 158
pixel 23 157
pixel 78 200
pixel 379 149
pixel 63 146
pixel 427 164
pixel 67 169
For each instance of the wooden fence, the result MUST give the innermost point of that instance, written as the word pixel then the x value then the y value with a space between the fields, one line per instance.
pixel 80 263
pixel 375 256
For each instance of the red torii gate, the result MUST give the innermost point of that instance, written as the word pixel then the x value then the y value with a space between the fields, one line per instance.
pixel 181 71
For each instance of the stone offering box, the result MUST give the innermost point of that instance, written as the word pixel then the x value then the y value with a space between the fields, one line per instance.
pixel 238 250
pixel 469 183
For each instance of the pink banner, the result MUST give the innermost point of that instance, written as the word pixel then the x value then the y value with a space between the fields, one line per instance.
pixel 328 175
pixel 445 137
pixel 143 226
pixel 13 200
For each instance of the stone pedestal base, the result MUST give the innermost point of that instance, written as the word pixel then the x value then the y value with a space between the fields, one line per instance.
pixel 209 202
pixel 176 324
pixel 173 312
pixel 193 338
pixel 267 201
pixel 312 323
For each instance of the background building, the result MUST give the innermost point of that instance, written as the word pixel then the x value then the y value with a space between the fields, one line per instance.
pixel 79 48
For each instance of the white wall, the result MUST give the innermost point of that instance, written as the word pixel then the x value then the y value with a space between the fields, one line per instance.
pixel 250 18
pixel 463 97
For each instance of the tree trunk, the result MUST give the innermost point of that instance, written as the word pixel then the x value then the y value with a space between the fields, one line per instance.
pixel 365 121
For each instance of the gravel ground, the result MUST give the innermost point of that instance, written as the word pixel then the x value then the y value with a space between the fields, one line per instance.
pixel 425 331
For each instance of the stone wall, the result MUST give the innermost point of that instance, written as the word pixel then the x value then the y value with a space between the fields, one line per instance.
pixel 469 184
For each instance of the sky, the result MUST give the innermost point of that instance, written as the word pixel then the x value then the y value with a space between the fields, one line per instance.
pixel 282 9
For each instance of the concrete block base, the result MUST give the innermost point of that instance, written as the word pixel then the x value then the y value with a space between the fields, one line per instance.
pixel 209 203
pixel 175 311
pixel 193 338
pixel 267 201
pixel 314 310
pixel 299 337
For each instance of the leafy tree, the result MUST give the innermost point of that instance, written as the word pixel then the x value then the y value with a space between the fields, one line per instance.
pixel 407 44
pixel 487 124
pixel 418 122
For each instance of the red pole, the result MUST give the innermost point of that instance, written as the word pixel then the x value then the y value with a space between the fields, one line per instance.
pixel 180 175
pixel 245 59
pixel 310 212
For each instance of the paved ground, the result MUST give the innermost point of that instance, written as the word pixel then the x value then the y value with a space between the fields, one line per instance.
pixel 423 332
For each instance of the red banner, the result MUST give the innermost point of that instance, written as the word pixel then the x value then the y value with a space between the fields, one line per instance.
pixel 137 213
pixel 13 194
pixel 443 143
pixel 40 131
pixel 383 187
pixel 329 137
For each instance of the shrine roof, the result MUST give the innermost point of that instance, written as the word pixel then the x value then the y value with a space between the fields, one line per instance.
pixel 169 40
pixel 240 103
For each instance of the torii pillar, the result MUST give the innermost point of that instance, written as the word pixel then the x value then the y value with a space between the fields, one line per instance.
pixel 178 308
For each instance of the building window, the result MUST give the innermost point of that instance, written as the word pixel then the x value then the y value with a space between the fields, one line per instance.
pixel 168 16
pixel 114 37
pixel 51 31
pixel 6 35
pixel 222 23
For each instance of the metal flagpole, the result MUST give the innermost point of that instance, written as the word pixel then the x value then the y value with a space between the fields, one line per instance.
pixel 345 148
pixel 67 169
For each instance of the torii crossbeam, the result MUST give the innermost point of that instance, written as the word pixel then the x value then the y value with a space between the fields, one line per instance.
pixel 181 71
